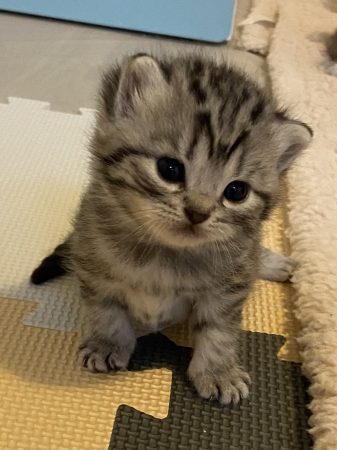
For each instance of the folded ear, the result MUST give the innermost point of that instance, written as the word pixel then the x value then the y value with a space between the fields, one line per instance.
pixel 141 80
pixel 292 137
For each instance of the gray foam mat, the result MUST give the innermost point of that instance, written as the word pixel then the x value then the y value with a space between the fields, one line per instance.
pixel 274 417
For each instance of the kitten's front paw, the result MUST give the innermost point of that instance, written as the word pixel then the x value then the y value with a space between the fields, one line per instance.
pixel 228 386
pixel 101 355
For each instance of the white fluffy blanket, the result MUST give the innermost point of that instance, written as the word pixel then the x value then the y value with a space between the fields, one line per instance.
pixel 298 67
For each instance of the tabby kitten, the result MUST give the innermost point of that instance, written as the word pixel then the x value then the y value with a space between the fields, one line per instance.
pixel 186 160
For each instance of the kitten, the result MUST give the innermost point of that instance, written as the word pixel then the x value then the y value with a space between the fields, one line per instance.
pixel 186 160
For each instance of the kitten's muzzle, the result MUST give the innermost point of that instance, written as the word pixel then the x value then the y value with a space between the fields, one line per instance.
pixel 196 217
pixel 198 207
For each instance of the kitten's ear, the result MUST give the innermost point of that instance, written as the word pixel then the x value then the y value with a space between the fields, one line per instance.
pixel 141 80
pixel 292 137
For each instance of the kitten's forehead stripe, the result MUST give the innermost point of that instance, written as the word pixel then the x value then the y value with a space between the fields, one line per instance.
pixel 198 91
pixel 216 79
pixel 202 126
pixel 239 99
pixel 221 114
pixel 205 126
pixel 221 151
pixel 242 136
pixel 198 67
pixel 246 95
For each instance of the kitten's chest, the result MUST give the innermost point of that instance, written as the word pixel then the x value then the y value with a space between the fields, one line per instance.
pixel 151 312
pixel 157 297
pixel 162 293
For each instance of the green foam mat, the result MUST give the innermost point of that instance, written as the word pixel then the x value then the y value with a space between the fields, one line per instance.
pixel 274 417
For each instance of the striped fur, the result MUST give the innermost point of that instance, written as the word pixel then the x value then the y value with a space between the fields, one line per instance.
pixel 141 264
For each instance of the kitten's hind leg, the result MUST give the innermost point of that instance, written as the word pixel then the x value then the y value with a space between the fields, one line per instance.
pixel 110 339
pixel 275 267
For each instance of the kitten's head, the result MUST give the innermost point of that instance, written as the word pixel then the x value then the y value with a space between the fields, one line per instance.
pixel 188 152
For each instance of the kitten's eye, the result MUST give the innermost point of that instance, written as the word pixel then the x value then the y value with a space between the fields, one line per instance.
pixel 236 191
pixel 171 170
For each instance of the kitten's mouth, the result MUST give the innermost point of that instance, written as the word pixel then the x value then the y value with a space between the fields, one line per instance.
pixel 189 230
pixel 184 235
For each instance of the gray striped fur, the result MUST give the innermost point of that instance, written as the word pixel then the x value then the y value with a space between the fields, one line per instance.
pixel 140 264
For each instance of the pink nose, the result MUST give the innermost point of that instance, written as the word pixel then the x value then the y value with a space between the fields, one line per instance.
pixel 195 217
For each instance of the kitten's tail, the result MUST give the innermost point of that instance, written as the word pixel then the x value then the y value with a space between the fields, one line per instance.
pixel 54 265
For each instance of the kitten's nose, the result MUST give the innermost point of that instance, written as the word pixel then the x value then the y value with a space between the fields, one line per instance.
pixel 196 217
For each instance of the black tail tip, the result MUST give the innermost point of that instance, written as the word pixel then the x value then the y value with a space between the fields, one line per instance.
pixel 39 276
pixel 49 268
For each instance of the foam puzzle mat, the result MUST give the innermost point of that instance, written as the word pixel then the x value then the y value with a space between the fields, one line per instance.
pixel 274 417
pixel 47 401
pixel 44 169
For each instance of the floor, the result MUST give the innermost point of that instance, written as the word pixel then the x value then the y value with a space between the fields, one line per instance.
pixel 62 62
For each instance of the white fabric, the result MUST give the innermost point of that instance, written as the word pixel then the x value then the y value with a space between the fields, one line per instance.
pixel 43 170
pixel 257 28
pixel 301 82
